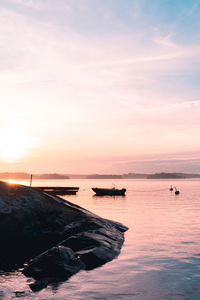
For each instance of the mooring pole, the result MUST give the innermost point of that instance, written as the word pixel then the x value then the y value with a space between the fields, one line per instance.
pixel 31 180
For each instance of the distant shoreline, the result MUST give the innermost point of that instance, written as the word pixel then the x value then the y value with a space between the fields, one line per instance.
pixel 48 176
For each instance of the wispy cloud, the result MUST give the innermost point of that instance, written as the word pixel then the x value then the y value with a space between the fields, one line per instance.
pixel 167 162
pixel 26 3
pixel 180 105
pixel 194 7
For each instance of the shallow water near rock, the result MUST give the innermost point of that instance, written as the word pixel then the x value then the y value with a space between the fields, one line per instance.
pixel 160 258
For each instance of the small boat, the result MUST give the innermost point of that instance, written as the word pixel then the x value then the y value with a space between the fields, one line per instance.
pixel 61 192
pixel 109 192
pixel 58 190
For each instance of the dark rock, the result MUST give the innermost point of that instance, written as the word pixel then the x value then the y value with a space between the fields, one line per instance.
pixel 34 221
pixel 80 242
pixel 92 223
pixel 82 225
pixel 98 245
pixel 38 285
pixel 98 256
pixel 56 262
pixel 29 213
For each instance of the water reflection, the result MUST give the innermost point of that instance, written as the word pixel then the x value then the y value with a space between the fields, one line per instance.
pixel 97 198
pixel 161 256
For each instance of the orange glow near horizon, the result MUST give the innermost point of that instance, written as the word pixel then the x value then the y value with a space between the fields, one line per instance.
pixel 13 181
pixel 14 146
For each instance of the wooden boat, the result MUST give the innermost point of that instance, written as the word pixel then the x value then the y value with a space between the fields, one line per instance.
pixel 55 190
pixel 109 192
pixel 61 192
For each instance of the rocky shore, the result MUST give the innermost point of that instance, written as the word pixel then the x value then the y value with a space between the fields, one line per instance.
pixel 53 238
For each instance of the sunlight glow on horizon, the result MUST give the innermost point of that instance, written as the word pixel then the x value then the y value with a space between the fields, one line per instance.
pixel 14 145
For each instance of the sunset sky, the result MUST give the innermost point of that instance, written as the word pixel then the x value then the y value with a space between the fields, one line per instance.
pixel 100 86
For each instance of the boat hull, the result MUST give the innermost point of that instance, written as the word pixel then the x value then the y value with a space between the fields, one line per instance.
pixel 109 192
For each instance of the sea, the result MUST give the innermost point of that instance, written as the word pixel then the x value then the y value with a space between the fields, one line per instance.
pixel 160 258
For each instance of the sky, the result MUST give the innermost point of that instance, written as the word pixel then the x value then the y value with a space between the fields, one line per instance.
pixel 100 86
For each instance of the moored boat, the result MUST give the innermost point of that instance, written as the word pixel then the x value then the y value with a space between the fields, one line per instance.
pixel 109 192
pixel 58 190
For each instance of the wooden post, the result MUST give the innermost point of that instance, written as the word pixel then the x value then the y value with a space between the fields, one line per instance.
pixel 31 180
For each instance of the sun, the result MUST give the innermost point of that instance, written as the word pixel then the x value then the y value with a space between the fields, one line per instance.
pixel 14 145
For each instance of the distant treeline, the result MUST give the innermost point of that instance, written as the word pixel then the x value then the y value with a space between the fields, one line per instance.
pixel 21 175
pixel 172 175
pixel 135 175
pixel 97 176
pixel 163 175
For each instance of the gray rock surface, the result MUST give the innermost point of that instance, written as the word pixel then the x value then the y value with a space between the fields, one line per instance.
pixel 62 237
pixel 58 261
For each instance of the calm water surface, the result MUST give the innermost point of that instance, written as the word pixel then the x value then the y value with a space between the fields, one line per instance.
pixel 160 258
